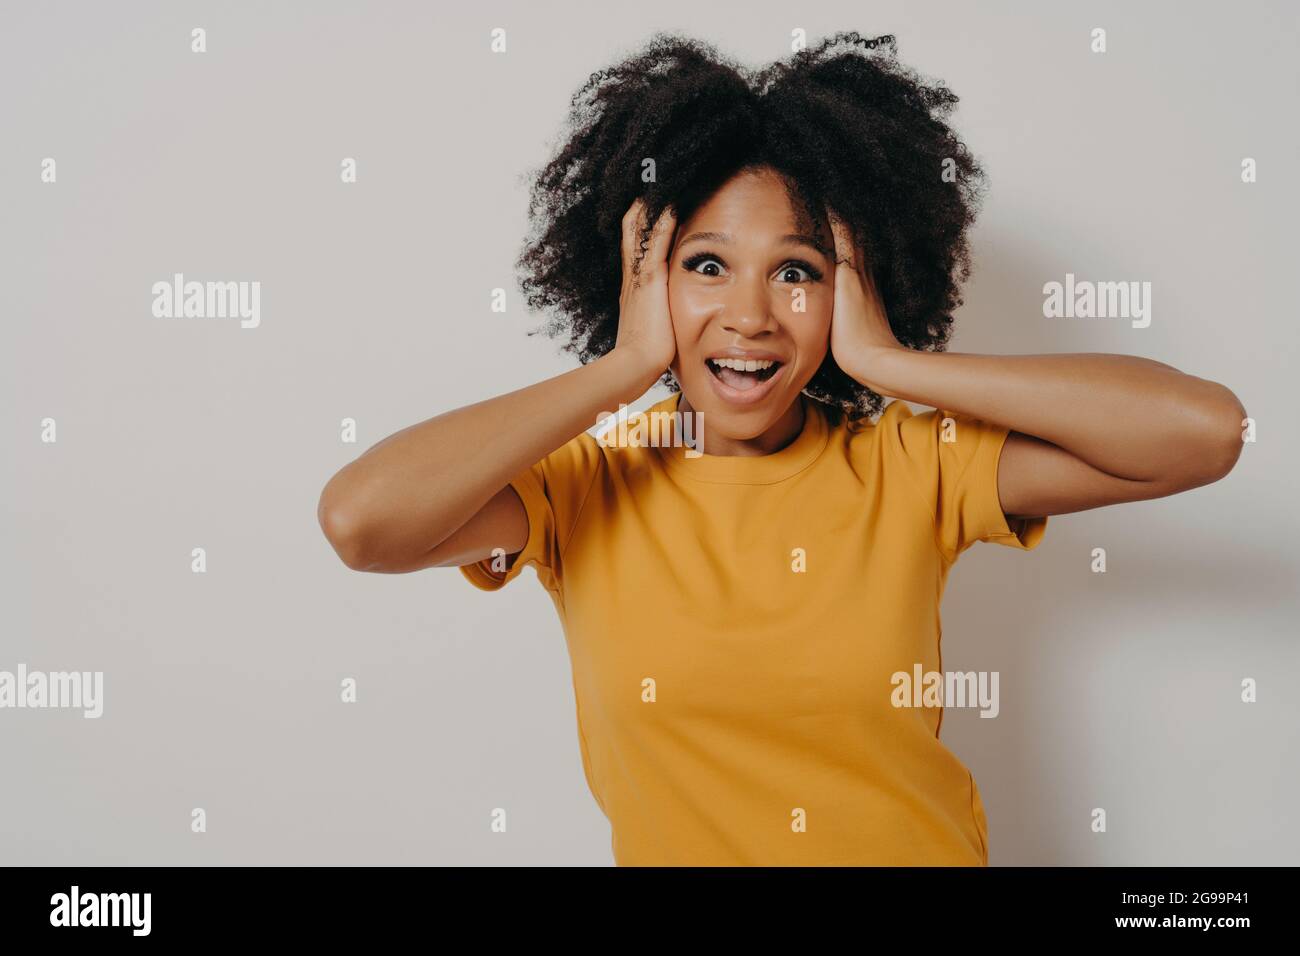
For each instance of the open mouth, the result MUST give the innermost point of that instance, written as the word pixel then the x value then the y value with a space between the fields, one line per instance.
pixel 742 374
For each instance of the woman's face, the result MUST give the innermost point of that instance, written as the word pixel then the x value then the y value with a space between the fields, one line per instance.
pixel 744 285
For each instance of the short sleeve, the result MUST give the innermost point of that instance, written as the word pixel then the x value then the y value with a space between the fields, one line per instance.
pixel 553 492
pixel 953 461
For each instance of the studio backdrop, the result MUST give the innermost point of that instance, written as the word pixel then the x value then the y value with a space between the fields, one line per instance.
pixel 351 177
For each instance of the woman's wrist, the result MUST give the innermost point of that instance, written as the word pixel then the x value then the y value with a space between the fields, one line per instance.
pixel 640 372
pixel 882 369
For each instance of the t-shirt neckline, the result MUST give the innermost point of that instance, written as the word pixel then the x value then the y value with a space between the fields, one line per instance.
pixel 749 469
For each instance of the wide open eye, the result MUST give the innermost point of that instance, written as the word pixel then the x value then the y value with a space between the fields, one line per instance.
pixel 704 259
pixel 803 272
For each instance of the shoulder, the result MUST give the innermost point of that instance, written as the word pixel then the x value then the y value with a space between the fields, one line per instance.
pixel 580 455
pixel 627 439
pixel 921 445
pixel 895 432
pixel 901 430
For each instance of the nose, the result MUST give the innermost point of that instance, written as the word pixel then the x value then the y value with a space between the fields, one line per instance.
pixel 745 308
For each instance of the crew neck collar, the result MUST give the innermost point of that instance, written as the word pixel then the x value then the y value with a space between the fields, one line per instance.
pixel 749 469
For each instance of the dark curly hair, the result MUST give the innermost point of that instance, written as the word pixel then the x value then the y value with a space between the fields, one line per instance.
pixel 843 122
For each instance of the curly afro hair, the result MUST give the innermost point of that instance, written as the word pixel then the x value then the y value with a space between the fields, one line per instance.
pixel 843 122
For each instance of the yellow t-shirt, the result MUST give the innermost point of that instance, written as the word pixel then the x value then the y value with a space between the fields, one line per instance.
pixel 733 625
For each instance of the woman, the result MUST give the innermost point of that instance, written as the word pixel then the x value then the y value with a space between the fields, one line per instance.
pixel 785 249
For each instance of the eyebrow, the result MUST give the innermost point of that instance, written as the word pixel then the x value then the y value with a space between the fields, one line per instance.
pixel 793 237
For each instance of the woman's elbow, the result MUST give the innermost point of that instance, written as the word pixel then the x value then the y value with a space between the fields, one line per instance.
pixel 1223 430
pixel 342 530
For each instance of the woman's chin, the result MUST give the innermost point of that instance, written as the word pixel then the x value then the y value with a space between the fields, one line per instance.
pixel 737 420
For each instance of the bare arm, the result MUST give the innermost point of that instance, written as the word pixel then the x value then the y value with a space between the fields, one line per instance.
pixel 391 508
pixel 1087 429
pixel 437 493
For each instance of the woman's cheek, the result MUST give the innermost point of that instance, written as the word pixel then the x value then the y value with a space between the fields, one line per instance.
pixel 690 306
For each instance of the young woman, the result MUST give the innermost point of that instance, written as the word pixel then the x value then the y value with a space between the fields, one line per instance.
pixel 785 249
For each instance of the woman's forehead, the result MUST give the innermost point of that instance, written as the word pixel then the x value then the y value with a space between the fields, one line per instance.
pixel 754 202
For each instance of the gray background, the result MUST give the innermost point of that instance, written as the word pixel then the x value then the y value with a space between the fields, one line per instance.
pixel 222 689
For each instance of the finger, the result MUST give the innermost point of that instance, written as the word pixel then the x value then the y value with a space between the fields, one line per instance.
pixel 661 239
pixel 848 260
pixel 633 221
pixel 845 250
pixel 849 254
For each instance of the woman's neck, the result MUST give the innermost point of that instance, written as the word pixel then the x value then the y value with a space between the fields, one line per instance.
pixel 784 431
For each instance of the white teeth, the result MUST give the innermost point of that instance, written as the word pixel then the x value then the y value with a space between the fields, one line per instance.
pixel 743 365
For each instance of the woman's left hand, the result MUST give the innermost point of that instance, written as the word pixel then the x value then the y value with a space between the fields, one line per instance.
pixel 860 331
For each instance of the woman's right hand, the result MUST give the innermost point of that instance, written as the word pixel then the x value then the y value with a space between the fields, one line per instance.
pixel 645 327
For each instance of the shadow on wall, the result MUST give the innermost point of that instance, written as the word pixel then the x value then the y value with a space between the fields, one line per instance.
pixel 1082 709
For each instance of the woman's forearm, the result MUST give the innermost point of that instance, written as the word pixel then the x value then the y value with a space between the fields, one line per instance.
pixel 408 493
pixel 1127 416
